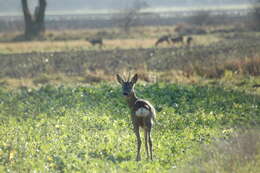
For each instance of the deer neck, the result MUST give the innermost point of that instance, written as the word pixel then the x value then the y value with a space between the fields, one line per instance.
pixel 131 99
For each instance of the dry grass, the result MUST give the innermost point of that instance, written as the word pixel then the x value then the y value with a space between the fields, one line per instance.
pixel 129 43
pixel 209 56
pixel 82 65
pixel 107 33
pixel 114 38
pixel 97 76
pixel 243 66
pixel 59 46
pixel 239 153
pixel 78 45
pixel 39 46
pixel 248 66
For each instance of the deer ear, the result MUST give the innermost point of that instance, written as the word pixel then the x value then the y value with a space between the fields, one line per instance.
pixel 119 79
pixel 134 79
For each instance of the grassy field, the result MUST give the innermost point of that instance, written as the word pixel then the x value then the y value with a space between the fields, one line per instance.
pixel 69 40
pixel 81 45
pixel 62 111
pixel 63 129
pixel 210 56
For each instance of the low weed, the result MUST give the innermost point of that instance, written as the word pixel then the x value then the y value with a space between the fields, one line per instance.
pixel 88 129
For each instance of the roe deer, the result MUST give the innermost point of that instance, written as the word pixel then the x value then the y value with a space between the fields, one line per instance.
pixel 163 39
pixel 142 115
pixel 177 39
pixel 95 41
pixel 189 40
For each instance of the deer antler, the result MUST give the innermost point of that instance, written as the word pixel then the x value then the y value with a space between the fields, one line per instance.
pixel 129 75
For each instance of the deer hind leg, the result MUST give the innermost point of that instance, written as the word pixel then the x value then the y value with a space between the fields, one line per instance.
pixel 157 42
pixel 150 143
pixel 146 143
pixel 139 142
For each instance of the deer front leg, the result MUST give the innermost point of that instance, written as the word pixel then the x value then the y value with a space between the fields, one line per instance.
pixel 146 143
pixel 139 142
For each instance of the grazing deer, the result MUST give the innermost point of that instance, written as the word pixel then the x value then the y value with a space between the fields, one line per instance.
pixel 189 40
pixel 177 39
pixel 256 86
pixel 95 41
pixel 163 39
pixel 142 115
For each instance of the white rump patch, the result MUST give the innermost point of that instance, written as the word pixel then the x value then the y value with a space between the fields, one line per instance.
pixel 142 112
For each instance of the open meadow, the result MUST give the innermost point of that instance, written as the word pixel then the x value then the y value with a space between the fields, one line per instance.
pixel 61 109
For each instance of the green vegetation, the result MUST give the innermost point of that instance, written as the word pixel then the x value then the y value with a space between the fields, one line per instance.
pixel 60 112
pixel 88 129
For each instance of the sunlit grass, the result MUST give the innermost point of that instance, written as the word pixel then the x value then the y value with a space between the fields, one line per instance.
pixel 79 45
pixel 88 128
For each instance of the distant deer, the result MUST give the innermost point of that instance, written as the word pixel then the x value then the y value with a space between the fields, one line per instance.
pixel 142 115
pixel 256 86
pixel 95 41
pixel 189 40
pixel 163 39
pixel 177 39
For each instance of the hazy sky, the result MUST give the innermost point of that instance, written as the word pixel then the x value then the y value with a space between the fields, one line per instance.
pixel 66 5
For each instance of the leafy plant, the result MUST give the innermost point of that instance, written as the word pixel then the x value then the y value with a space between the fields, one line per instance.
pixel 81 129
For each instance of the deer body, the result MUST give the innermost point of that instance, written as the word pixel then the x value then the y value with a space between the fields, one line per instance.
pixel 177 39
pixel 189 40
pixel 142 116
pixel 95 41
pixel 165 38
pixel 141 111
pixel 169 39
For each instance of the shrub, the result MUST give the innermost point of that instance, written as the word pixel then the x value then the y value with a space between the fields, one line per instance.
pixel 238 153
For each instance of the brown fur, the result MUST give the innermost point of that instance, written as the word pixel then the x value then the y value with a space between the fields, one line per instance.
pixel 165 38
pixel 189 40
pixel 95 41
pixel 177 39
pixel 146 123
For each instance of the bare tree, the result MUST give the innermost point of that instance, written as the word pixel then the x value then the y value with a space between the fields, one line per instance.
pixel 34 24
pixel 130 16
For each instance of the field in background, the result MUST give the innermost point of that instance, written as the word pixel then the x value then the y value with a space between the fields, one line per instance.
pixel 83 45
pixel 62 57
pixel 61 109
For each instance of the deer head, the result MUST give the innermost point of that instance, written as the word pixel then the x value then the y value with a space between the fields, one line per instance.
pixel 127 85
